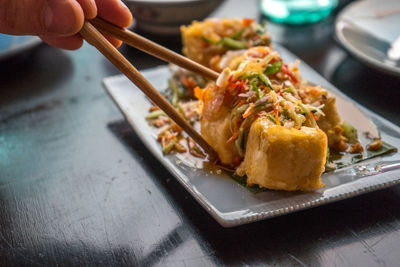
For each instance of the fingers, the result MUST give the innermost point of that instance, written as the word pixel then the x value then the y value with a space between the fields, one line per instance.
pixel 70 42
pixel 89 8
pixel 62 17
pixel 41 17
pixel 115 42
pixel 114 11
pixel 74 42
pixel 58 21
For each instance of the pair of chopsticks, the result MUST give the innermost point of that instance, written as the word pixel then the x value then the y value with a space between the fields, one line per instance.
pixel 91 32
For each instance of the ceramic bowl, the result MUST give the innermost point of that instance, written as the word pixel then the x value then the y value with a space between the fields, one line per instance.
pixel 166 16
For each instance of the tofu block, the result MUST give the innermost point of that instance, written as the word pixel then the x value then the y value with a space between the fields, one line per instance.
pixel 331 118
pixel 284 158
pixel 331 125
pixel 199 50
pixel 331 122
pixel 216 132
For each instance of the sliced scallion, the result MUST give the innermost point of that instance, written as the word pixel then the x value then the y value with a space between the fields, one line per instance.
pixel 288 90
pixel 182 111
pixel 273 68
pixel 231 43
pixel 208 40
pixel 155 114
pixel 168 148
pixel 350 132
pixel 237 34
pixel 241 109
pixel 264 78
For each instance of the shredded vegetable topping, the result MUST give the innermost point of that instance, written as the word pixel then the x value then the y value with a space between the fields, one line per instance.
pixel 210 39
pixel 254 82
pixel 263 85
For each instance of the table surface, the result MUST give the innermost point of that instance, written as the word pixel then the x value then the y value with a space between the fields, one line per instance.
pixel 77 187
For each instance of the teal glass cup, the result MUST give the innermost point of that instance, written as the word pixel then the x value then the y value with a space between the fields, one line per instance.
pixel 297 11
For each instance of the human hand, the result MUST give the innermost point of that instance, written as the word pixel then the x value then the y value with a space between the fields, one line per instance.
pixel 57 22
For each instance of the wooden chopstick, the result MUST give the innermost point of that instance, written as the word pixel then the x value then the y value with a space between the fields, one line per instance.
pixel 95 38
pixel 152 48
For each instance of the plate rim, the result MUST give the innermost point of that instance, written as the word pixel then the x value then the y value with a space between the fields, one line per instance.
pixel 10 52
pixel 369 61
pixel 253 214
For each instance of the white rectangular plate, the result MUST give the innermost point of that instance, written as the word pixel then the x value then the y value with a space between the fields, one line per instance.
pixel 230 203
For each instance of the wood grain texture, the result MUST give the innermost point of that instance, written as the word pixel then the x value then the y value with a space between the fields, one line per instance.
pixel 77 187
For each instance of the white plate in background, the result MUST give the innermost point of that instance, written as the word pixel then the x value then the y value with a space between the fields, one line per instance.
pixel 367 29
pixel 11 45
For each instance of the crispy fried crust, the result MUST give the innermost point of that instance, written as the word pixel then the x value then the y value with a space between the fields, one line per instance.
pixel 285 159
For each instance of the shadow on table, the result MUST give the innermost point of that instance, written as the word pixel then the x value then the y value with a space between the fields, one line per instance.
pixel 306 237
pixel 142 60
pixel 32 73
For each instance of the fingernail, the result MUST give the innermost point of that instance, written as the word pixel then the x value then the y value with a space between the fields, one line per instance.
pixel 59 18
pixel 48 17
pixel 123 5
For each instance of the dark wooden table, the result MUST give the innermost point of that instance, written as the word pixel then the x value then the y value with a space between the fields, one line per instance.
pixel 77 187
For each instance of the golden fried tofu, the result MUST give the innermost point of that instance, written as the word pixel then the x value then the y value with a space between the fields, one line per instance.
pixel 216 125
pixel 284 158
pixel 216 132
pixel 331 118
pixel 331 122
pixel 207 41
pixel 195 45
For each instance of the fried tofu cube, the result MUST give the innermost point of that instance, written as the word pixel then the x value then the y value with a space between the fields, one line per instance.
pixel 216 124
pixel 216 132
pixel 331 125
pixel 331 122
pixel 194 45
pixel 284 158
pixel 331 118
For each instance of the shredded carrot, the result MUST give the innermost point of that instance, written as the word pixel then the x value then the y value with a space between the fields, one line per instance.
pixel 231 86
pixel 258 52
pixel 188 82
pixel 199 93
pixel 313 115
pixel 233 137
pixel 248 111
pixel 286 70
pixel 247 22
pixel 277 119
pixel 238 85
pixel 315 91
pixel 263 52
pixel 176 128
pixel 276 106
pixel 153 108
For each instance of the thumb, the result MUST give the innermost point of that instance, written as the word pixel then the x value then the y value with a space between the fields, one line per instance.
pixel 40 17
